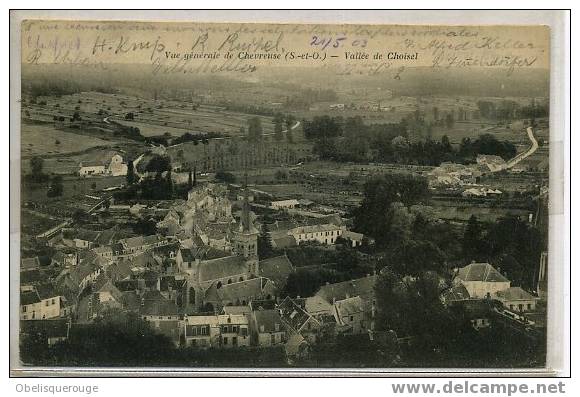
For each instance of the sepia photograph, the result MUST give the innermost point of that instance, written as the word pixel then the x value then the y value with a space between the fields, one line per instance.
pixel 281 196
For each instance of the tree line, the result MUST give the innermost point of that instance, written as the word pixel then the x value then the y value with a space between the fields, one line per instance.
pixel 350 140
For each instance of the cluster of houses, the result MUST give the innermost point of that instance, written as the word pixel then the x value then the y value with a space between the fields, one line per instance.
pixel 204 289
pixel 113 167
pixel 467 177
pixel 453 174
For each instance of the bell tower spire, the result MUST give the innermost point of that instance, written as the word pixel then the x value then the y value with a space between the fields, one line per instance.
pixel 245 241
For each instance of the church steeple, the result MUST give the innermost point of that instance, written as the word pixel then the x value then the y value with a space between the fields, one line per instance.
pixel 246 235
pixel 245 221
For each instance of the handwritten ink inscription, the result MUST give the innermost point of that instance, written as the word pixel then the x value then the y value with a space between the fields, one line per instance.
pixel 246 48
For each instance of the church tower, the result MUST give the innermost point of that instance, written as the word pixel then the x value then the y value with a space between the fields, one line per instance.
pixel 245 237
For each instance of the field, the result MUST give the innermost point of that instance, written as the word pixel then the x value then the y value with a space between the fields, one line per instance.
pixel 153 117
pixel 73 186
pixel 45 139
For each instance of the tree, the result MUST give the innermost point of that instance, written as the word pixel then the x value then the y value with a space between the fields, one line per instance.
pixel 190 180
pixel 158 164
pixel 399 220
pixel 80 216
pixel 254 129
pixel 278 131
pixel 413 257
pixel 224 176
pixel 36 169
pixel 169 184
pixel 264 243
pixel 131 177
pixel 56 187
pixel 373 216
pixel 472 239
pixel 449 120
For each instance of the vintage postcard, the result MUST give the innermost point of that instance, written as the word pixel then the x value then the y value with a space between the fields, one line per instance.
pixel 282 196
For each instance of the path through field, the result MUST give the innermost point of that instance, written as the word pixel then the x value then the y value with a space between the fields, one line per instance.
pixel 527 153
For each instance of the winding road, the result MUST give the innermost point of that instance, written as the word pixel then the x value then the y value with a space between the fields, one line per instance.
pixel 527 153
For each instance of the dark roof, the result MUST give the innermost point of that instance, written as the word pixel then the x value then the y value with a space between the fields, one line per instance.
pixel 155 304
pixel 455 293
pixel 104 284
pixel 277 269
pixel 188 254
pixel 293 314
pixel 285 241
pixel 46 291
pixel 268 319
pixel 480 272
pixel 31 276
pixel 476 308
pixel 222 267
pixel 29 298
pixel 127 285
pixel 262 304
pixel 513 294
pixel 130 301
pixel 165 282
pixel 107 237
pixel 363 287
pixel 82 234
pixel 240 290
pixel 120 270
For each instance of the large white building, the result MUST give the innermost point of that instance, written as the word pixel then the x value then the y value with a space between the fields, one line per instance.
pixel 481 280
pixel 323 234
pixel 115 167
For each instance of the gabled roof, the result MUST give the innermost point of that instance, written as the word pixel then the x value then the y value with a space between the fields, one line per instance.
pixel 214 269
pixel 85 268
pixel 29 297
pixel 82 234
pixel 29 263
pixel 293 314
pixel 188 254
pixel 119 270
pixel 155 304
pixel 130 301
pixel 347 307
pixel 363 287
pixel 480 272
pixel 455 293
pixel 237 309
pixel 285 241
pixel 31 276
pixel 276 269
pixel 167 282
pixel 242 289
pixel 353 235
pixel 513 294
pixel 104 284
pixel 316 304
pixel 46 291
pixel 139 241
pixel 268 319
